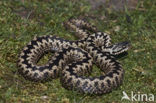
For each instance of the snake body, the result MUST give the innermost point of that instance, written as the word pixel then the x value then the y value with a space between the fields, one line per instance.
pixel 72 60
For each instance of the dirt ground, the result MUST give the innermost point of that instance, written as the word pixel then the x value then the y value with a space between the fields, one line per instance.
pixel 117 5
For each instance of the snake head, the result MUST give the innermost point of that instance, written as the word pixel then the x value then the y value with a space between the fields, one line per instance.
pixel 120 47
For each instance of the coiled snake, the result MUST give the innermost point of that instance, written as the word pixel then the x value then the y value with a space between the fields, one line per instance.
pixel 72 60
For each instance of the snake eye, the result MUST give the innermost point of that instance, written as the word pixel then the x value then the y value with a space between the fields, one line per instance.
pixel 120 47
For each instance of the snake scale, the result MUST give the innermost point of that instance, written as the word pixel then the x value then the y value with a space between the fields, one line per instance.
pixel 72 60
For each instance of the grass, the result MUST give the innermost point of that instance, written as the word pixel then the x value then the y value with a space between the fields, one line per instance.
pixel 21 20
